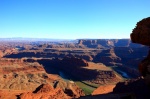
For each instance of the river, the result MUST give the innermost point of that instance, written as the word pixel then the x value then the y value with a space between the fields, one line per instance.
pixel 123 74
pixel 65 77
pixel 87 88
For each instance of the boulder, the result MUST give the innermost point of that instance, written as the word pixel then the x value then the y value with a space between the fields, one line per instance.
pixel 141 33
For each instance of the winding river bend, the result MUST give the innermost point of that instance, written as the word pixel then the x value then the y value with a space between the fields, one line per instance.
pixel 87 88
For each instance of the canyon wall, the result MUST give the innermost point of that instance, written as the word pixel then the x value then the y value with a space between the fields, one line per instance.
pixel 107 43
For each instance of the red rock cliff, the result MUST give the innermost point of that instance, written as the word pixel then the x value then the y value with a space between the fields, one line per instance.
pixel 141 35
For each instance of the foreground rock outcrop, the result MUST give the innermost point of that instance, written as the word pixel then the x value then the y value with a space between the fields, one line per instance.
pixel 135 86
pixel 141 35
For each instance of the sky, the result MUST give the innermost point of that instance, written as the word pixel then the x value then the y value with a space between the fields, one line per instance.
pixel 71 19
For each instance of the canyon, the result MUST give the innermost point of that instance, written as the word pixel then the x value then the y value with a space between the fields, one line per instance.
pixel 67 69
pixel 83 68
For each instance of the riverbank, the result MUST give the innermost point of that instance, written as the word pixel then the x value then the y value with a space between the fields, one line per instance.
pixel 88 88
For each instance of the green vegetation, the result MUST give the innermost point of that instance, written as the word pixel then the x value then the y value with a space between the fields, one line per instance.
pixel 91 84
pixel 87 89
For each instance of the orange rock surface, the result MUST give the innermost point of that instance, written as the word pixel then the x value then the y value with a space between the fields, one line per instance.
pixel 103 89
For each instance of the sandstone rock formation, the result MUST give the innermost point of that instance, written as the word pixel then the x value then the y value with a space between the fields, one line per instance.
pixel 18 75
pixel 74 61
pixel 107 57
pixel 141 35
pixel 29 78
pixel 135 86
pixel 45 92
pixel 105 89
pixel 106 43
pixel 1 53
pixel 82 70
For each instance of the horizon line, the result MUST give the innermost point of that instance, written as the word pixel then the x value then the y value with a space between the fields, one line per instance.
pixel 55 38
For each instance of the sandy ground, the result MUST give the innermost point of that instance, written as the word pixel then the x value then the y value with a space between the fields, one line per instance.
pixel 103 89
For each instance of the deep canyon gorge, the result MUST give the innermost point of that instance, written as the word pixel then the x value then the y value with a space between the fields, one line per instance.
pixel 83 68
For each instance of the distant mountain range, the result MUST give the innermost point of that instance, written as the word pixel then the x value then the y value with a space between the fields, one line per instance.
pixel 33 39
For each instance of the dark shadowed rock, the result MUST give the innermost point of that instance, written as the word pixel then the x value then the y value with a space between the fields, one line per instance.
pixel 74 61
pixel 141 33
pixel 136 86
pixel 107 57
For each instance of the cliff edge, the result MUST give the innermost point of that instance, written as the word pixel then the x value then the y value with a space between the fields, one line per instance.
pixel 141 35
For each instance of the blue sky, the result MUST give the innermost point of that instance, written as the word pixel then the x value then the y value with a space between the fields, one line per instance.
pixel 71 19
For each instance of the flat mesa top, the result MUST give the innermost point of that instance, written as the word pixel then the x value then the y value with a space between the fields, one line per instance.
pixel 98 66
